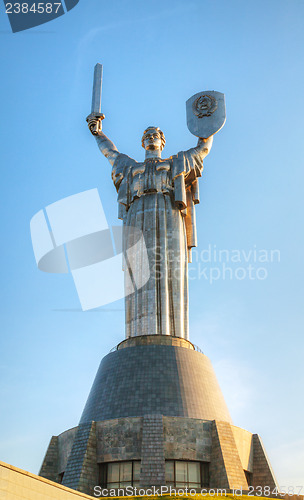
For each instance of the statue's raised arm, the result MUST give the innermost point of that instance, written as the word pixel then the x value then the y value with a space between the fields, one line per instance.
pixel 106 146
pixel 202 149
pixel 204 146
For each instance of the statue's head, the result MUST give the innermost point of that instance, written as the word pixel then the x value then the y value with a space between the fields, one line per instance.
pixel 153 138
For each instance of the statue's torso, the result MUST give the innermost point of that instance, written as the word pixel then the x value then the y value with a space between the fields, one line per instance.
pixel 151 176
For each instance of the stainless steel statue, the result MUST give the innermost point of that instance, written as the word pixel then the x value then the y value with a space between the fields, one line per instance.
pixel 158 196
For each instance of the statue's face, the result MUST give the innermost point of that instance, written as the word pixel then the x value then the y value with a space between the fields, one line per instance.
pixel 152 140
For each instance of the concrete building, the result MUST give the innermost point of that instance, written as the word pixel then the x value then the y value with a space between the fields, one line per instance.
pixel 156 416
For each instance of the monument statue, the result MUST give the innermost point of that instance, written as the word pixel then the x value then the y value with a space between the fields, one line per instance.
pixel 158 196
pixel 155 415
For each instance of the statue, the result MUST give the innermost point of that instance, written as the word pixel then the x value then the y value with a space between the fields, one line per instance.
pixel 157 196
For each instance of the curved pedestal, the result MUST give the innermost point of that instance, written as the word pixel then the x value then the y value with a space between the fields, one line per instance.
pixel 155 403
pixel 142 378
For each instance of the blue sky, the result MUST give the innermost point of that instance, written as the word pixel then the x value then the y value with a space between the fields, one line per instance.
pixel 155 57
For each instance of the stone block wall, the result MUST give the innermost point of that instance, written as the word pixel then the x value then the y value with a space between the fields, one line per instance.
pixel 152 452
pixel 82 470
pixel 226 470
pixel 119 439
pixel 65 443
pixel 187 439
pixel 50 468
pixel 244 444
pixel 262 471
pixel 152 439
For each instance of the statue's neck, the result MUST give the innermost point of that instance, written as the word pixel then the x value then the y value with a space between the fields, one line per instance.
pixel 153 153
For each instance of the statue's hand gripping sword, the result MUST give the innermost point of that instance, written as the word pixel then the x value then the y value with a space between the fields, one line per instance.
pixel 96 116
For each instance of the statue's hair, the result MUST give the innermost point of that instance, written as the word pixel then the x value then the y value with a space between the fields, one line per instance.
pixel 162 136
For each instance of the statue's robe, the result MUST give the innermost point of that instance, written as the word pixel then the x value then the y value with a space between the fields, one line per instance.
pixel 157 197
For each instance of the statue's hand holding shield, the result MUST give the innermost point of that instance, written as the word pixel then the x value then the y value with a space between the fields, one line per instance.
pixel 206 113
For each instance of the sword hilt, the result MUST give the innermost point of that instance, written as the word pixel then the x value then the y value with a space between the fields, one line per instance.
pixel 95 128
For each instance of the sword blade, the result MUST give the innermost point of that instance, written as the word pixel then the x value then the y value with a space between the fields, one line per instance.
pixel 97 85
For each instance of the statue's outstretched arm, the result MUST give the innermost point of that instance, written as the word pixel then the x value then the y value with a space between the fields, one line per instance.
pixel 108 149
pixel 203 147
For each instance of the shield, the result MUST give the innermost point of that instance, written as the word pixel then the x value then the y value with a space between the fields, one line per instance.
pixel 206 113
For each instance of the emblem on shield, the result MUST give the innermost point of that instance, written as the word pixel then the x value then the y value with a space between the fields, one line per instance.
pixel 206 113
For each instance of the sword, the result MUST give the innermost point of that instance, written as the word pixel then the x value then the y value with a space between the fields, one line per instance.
pixel 96 100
